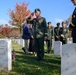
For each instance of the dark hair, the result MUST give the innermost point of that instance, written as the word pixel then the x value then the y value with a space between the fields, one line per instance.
pixel 49 22
pixel 37 10
pixel 29 21
pixel 58 24
pixel 63 22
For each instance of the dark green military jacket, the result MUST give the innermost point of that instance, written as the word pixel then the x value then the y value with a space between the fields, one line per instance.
pixel 64 31
pixel 49 33
pixel 40 27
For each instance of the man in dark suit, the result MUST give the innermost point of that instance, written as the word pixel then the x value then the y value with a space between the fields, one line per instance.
pixel 57 32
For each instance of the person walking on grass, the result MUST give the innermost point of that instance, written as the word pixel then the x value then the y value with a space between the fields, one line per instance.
pixel 26 36
pixel 26 33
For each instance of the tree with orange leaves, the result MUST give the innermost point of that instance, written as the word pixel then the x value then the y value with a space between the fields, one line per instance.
pixel 19 15
pixel 6 31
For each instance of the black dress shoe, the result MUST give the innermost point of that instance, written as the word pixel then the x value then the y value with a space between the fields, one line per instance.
pixel 23 49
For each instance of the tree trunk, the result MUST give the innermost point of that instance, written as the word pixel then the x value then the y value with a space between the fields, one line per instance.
pixel 20 32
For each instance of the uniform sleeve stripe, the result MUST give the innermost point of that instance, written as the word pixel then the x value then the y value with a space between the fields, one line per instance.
pixel 72 24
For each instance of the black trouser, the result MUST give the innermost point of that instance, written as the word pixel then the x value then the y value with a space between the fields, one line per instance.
pixel 74 35
pixel 40 47
pixel 57 39
pixel 64 41
pixel 49 44
pixel 31 45
pixel 74 39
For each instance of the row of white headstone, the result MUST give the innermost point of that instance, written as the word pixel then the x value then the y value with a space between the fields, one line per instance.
pixel 22 43
pixel 67 53
pixel 19 41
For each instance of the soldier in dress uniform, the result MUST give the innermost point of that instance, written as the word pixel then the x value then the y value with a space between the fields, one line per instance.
pixel 49 37
pixel 57 32
pixel 64 33
pixel 40 30
pixel 72 25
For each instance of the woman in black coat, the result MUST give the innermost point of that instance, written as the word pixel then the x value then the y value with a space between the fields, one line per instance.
pixel 31 43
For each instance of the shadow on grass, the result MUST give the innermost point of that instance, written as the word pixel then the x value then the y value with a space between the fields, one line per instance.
pixel 28 65
pixel 19 52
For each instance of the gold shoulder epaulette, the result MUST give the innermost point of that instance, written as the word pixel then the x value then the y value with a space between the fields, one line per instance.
pixel 72 24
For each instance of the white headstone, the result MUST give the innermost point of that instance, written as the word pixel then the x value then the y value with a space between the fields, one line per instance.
pixel 5 54
pixel 53 44
pixel 69 40
pixel 14 40
pixel 22 42
pixel 57 48
pixel 18 41
pixel 68 59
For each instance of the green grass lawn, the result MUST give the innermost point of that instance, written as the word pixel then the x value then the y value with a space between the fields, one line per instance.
pixel 28 65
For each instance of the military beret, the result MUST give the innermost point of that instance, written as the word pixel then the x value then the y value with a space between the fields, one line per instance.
pixel 37 10
pixel 49 22
pixel 58 24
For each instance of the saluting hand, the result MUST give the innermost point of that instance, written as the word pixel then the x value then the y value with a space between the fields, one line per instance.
pixel 57 37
